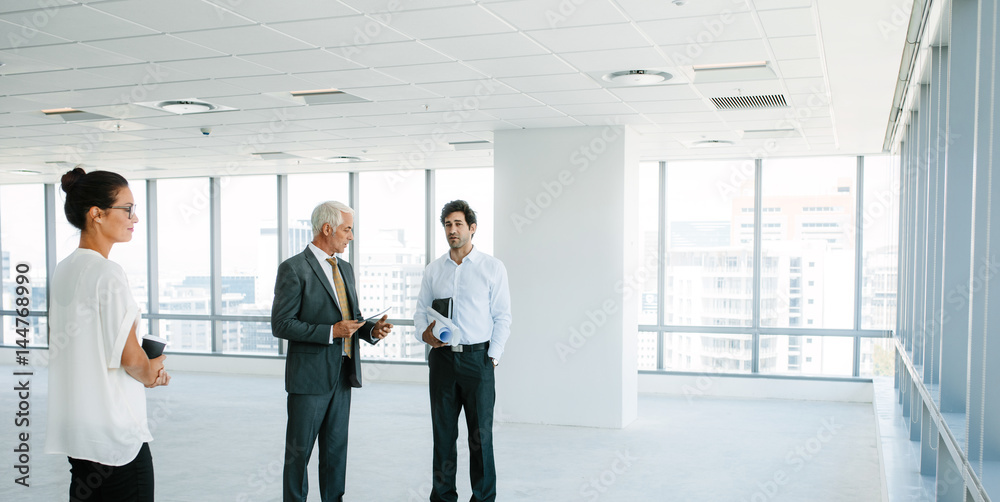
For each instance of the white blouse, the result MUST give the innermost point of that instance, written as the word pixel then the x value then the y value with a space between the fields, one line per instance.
pixel 97 411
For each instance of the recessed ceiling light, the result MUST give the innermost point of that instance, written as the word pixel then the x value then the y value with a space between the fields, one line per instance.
pixel 316 91
pixel 638 77
pixel 343 159
pixel 26 172
pixel 729 66
pixel 471 145
pixel 326 97
pixel 711 143
pixel 181 107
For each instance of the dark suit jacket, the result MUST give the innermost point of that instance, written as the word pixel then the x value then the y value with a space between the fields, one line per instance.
pixel 303 311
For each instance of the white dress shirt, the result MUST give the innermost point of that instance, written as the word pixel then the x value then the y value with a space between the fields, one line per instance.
pixel 328 269
pixel 480 295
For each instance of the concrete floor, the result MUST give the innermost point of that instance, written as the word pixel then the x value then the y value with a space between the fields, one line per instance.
pixel 220 438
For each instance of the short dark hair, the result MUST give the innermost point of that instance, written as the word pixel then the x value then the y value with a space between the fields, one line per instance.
pixel 459 206
pixel 86 190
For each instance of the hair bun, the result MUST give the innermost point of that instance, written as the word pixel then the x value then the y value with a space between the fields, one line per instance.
pixel 71 178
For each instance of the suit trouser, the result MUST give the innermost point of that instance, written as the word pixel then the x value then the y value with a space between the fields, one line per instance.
pixel 325 416
pixel 462 380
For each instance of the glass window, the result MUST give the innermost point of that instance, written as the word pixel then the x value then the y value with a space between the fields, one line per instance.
pixel 649 242
pixel 823 239
pixel 22 237
pixel 400 345
pixel 305 192
pixel 822 356
pixel 183 239
pixel 248 338
pixel 474 186
pixel 704 352
pixel 391 251
pixel 709 262
pixel 878 357
pixel 249 208
pixel 187 335
pixel 647 350
pixel 880 225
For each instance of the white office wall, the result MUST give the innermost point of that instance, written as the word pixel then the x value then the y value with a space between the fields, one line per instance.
pixel 565 211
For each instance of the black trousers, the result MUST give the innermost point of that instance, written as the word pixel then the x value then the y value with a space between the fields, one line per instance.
pixel 324 416
pixel 462 380
pixel 94 482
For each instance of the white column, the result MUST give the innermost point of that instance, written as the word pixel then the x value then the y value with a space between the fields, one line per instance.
pixel 565 213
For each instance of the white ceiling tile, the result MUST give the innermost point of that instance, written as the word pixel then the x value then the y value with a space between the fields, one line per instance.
pixel 18 37
pixel 392 6
pixel 349 34
pixel 683 117
pixel 435 72
pixel 481 88
pixel 448 22
pixel 528 112
pixel 620 119
pixel 806 86
pixel 645 10
pixel 11 104
pixel 348 79
pixel 244 40
pixel 781 4
pixel 497 45
pixel 156 48
pixel 75 55
pixel 616 60
pixel 393 93
pixel 220 67
pixel 55 80
pixel 269 11
pixel 15 63
pixel 201 89
pixel 794 47
pixel 703 30
pixel 302 61
pixel 270 83
pixel 788 22
pixel 396 54
pixel 590 38
pixel 522 66
pixel 597 109
pixel 545 83
pixel 173 16
pixel 799 68
pixel 490 102
pixel 402 119
pixel 545 14
pixel 655 92
pixel 78 22
pixel 677 106
pixel 145 74
pixel 738 51
pixel 539 123
pixel 30 5
pixel 576 97
pixel 288 104
pixel 80 99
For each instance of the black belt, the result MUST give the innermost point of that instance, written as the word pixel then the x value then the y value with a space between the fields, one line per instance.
pixel 468 348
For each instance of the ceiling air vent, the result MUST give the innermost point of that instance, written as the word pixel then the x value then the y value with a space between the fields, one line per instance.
pixel 750 102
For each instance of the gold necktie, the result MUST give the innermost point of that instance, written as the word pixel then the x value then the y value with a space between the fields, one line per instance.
pixel 345 311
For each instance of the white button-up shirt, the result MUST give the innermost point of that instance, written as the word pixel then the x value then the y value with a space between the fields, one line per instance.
pixel 480 298
pixel 327 267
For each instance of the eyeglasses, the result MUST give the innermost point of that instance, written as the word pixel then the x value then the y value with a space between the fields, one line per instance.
pixel 130 208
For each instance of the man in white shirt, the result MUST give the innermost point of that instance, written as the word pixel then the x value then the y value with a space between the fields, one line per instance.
pixel 469 287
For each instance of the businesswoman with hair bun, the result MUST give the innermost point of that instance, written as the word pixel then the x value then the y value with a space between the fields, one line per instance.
pixel 97 369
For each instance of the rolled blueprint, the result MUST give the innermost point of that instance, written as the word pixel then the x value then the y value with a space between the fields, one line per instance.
pixel 444 329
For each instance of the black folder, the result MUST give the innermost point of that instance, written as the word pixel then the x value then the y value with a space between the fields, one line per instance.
pixel 442 306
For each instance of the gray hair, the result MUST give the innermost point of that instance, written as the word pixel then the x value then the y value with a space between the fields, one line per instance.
pixel 329 212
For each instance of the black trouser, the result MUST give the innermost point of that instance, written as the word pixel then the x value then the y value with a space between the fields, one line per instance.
pixel 94 482
pixel 324 416
pixel 462 380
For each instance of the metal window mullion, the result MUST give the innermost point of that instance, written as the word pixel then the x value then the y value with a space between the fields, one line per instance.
pixel 152 257
pixel 215 251
pixel 758 191
pixel 50 241
pixel 858 260
pixel 430 180
pixel 661 252
pixel 354 191
pixel 282 234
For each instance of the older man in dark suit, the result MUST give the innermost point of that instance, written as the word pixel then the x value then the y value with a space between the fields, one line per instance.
pixel 316 309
